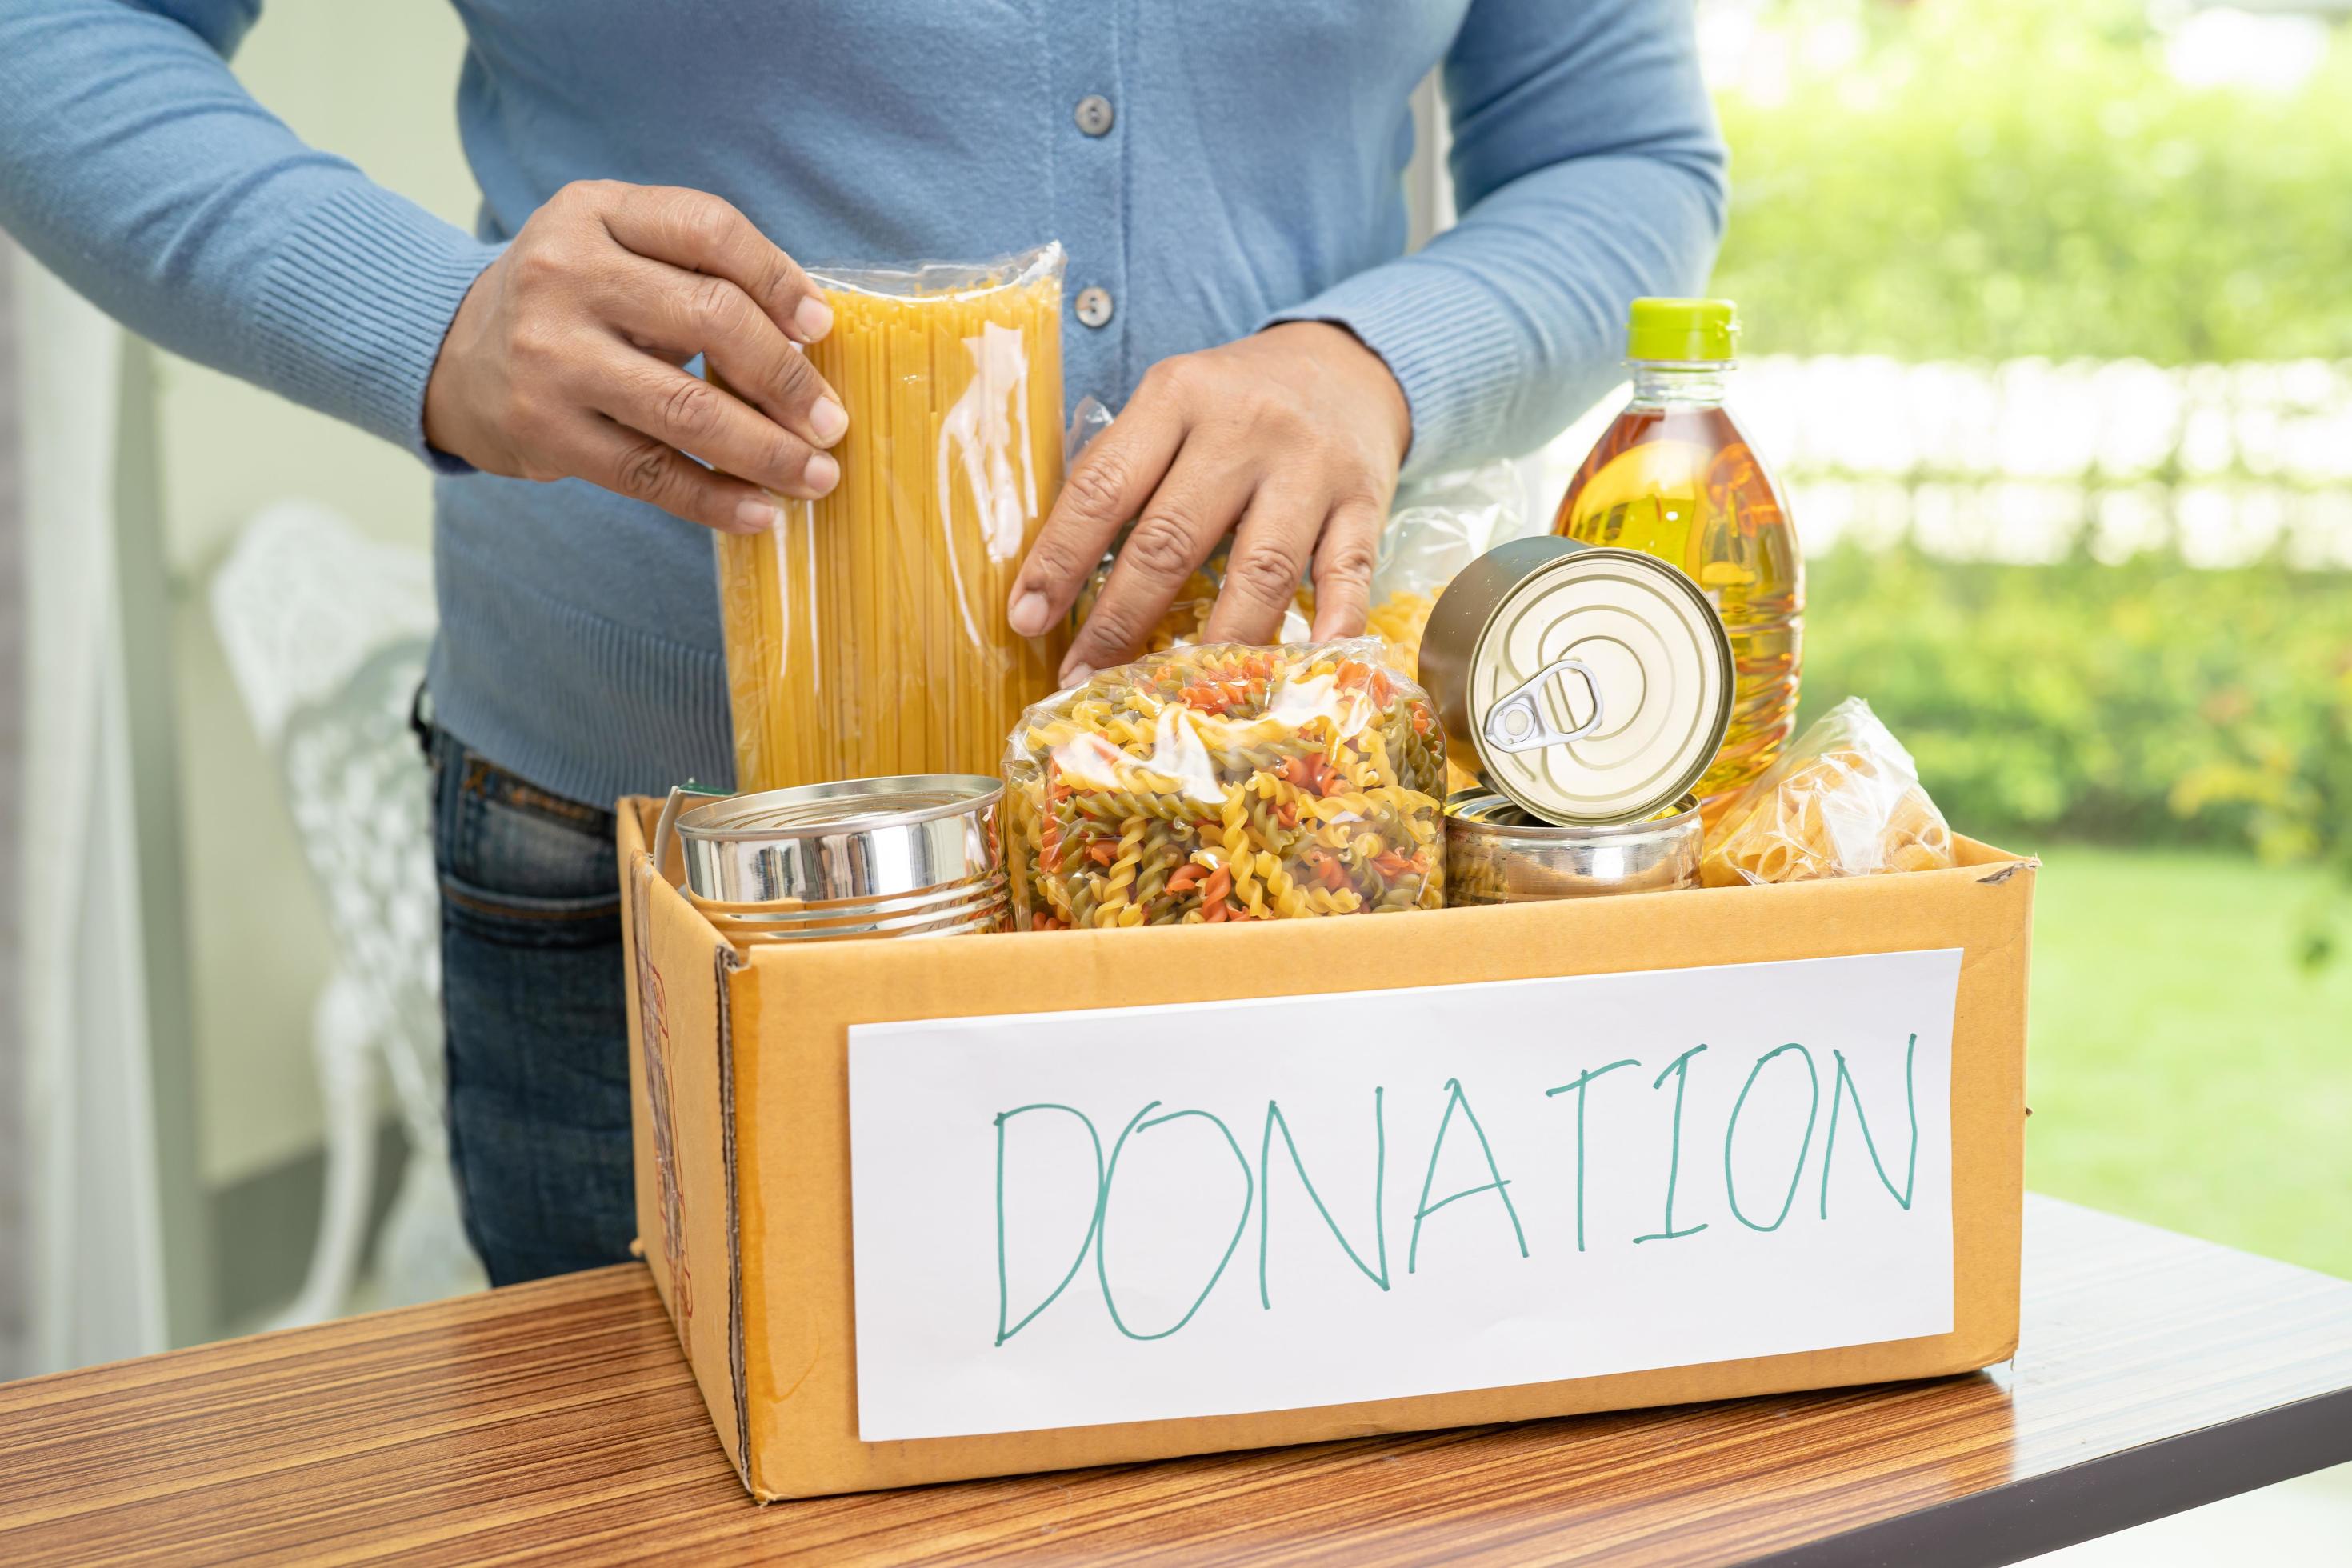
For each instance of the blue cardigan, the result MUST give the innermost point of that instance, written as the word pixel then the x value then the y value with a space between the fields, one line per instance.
pixel 1251 175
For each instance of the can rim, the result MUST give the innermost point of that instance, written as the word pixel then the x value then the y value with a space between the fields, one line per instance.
pixel 949 892
pixel 1461 802
pixel 925 797
pixel 909 924
pixel 973 923
pixel 785 915
pixel 1498 779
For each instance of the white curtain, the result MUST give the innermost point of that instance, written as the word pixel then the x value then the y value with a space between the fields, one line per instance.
pixel 92 1280
pixel 14 1347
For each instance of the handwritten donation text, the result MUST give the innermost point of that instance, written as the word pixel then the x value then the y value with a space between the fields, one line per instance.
pixel 1134 1214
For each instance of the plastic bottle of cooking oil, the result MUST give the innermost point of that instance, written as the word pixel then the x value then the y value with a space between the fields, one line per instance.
pixel 1675 478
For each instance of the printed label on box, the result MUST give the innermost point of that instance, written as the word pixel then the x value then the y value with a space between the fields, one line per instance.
pixel 1064 1219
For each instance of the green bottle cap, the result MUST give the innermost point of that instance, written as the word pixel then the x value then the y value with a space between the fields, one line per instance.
pixel 1683 330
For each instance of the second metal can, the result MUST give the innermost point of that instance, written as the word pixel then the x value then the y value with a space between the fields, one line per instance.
pixel 1587 684
pixel 1496 854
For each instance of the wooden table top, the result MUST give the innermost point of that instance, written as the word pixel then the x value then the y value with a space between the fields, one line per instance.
pixel 558 1420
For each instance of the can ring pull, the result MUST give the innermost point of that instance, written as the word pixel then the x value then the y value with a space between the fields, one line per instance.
pixel 1516 724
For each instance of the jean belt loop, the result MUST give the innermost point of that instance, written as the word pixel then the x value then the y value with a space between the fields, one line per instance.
pixel 420 720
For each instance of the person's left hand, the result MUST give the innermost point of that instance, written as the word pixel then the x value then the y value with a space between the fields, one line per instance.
pixel 1292 437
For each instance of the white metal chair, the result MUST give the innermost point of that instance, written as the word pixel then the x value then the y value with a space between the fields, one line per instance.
pixel 326 633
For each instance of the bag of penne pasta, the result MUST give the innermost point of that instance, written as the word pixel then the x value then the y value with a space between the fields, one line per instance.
pixel 866 635
pixel 1844 801
pixel 1204 785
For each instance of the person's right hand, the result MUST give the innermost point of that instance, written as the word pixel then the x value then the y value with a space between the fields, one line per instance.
pixel 563 360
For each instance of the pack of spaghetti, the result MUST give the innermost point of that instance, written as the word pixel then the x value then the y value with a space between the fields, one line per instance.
pixel 866 635
pixel 1844 801
pixel 1202 784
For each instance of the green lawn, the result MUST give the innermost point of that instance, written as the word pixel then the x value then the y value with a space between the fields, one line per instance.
pixel 2182 1069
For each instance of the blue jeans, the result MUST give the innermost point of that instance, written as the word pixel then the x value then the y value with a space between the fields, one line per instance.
pixel 536 1007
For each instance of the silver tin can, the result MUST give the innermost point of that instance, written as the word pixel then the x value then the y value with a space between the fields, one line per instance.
pixel 1496 853
pixel 1587 684
pixel 847 846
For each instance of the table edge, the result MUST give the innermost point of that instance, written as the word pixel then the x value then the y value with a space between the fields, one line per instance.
pixel 2099 1496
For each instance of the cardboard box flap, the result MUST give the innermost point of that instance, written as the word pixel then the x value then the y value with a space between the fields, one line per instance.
pixel 682 1045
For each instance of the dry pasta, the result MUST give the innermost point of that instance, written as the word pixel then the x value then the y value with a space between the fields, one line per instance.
pixel 1186 619
pixel 1844 801
pixel 1225 782
pixel 1399 621
pixel 1437 528
pixel 1185 622
pixel 866 636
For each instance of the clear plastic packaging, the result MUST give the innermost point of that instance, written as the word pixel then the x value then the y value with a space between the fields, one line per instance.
pixel 1218 783
pixel 1186 620
pixel 1844 801
pixel 866 636
pixel 1436 529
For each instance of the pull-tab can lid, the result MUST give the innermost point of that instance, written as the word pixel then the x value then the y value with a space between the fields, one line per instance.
pixel 1591 684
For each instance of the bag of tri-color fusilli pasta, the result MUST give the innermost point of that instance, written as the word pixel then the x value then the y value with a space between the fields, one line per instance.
pixel 1223 782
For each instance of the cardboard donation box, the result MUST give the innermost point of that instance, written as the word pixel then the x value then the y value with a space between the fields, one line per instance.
pixel 974 1205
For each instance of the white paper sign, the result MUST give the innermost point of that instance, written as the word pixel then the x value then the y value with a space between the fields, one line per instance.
pixel 1132 1214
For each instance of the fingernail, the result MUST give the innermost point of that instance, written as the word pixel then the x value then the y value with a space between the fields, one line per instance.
pixel 1077 674
pixel 760 516
pixel 813 317
pixel 828 419
pixel 1029 614
pixel 820 475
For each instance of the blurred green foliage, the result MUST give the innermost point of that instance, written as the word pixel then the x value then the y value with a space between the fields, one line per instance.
pixel 2180 1070
pixel 1992 179
pixel 2139 703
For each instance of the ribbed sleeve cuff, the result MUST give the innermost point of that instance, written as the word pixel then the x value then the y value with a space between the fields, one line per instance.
pixel 1451 343
pixel 355 306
